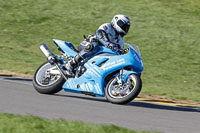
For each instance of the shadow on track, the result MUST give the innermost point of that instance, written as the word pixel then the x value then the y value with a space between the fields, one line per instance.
pixel 137 104
pixel 82 97
pixel 162 107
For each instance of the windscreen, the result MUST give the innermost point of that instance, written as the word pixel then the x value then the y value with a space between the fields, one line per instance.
pixel 135 48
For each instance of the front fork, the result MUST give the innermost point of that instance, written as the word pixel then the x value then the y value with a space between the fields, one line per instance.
pixel 122 76
pixel 119 78
pixel 123 84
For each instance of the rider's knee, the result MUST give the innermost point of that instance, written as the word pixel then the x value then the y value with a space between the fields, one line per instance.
pixel 89 47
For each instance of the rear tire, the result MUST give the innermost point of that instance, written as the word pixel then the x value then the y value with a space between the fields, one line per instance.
pixel 132 91
pixel 54 87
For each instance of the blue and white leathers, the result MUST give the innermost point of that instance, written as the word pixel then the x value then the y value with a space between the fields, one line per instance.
pixel 103 64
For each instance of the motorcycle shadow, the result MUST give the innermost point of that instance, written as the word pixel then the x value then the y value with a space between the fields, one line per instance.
pixel 83 97
pixel 133 103
pixel 162 107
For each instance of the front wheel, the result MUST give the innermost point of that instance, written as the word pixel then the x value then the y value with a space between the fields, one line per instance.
pixel 122 93
pixel 47 79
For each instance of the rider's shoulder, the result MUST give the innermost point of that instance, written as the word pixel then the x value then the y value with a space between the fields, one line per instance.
pixel 105 26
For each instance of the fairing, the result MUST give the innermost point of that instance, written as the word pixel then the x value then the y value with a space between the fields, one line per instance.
pixel 99 67
pixel 67 47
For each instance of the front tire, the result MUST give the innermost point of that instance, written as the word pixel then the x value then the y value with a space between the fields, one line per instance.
pixel 122 95
pixel 50 86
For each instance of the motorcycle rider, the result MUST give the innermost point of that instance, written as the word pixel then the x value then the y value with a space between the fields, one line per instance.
pixel 109 35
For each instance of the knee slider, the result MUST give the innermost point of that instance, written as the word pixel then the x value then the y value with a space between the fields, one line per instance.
pixel 88 48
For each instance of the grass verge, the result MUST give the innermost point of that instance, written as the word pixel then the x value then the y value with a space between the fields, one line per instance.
pixel 31 124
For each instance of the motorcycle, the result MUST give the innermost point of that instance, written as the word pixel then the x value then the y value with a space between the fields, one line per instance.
pixel 114 75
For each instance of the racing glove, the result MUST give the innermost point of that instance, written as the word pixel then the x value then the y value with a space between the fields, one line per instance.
pixel 114 47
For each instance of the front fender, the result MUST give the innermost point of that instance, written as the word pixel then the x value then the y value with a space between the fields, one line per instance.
pixel 126 73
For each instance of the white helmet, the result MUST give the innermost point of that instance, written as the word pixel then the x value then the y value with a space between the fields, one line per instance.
pixel 121 24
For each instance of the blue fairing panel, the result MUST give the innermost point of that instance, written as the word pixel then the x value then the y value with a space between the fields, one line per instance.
pixel 67 47
pixel 99 66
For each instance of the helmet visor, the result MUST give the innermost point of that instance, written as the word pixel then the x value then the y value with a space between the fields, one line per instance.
pixel 124 26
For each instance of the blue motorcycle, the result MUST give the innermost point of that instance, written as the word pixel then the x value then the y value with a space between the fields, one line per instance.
pixel 115 75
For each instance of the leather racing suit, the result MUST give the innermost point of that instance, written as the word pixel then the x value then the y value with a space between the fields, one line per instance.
pixel 105 35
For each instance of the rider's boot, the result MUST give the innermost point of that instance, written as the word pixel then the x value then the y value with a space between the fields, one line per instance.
pixel 71 64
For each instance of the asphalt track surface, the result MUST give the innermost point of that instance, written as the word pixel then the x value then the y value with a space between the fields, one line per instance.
pixel 19 97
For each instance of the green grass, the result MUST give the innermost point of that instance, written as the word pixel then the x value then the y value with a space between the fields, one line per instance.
pixel 167 32
pixel 31 124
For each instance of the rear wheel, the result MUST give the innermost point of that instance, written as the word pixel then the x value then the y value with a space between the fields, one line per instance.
pixel 47 79
pixel 121 93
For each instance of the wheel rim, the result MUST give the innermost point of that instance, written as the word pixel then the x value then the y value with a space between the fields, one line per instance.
pixel 42 77
pixel 115 91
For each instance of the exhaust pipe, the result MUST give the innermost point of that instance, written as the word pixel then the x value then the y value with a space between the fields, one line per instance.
pixel 46 51
pixel 51 58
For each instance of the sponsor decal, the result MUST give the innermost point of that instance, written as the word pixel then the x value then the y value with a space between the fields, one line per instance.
pixel 97 88
pixel 93 70
pixel 113 64
pixel 90 86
